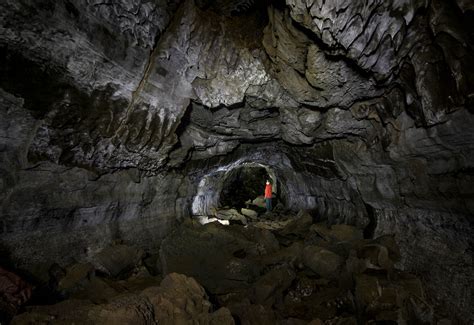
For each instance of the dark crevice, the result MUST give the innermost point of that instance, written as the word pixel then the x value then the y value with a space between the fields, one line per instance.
pixel 369 230
pixel 332 54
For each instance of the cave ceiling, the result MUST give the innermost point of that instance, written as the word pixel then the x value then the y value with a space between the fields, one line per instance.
pixel 150 85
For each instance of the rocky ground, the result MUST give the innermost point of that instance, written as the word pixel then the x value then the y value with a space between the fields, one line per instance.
pixel 277 269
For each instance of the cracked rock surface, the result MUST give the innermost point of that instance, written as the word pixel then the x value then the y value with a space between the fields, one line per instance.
pixel 121 119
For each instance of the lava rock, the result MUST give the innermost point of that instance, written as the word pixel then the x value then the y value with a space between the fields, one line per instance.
pixel 249 314
pixel 322 261
pixel 231 214
pixel 270 287
pixel 291 255
pixel 14 293
pixel 339 233
pixel 178 300
pixel 215 255
pixel 249 213
pixel 77 277
pixel 298 226
pixel 181 300
pixel 127 309
pixel 383 300
pixel 117 260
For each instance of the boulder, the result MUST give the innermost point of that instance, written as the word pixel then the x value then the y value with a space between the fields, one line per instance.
pixel 308 300
pixel 384 300
pixel 206 219
pixel 250 314
pixel 316 322
pixel 291 255
pixel 354 265
pixel 231 214
pixel 14 292
pixel 270 287
pixel 271 224
pixel 118 260
pixel 215 255
pixel 259 202
pixel 126 309
pixel 97 290
pixel 222 316
pixel 298 226
pixel 178 300
pixel 368 290
pixel 152 263
pixel 376 257
pixel 138 281
pixel 181 300
pixel 340 321
pixel 249 213
pixel 265 240
pixel 337 233
pixel 390 243
pixel 295 321
pixel 380 253
pixel 418 310
pixel 322 261
pixel 77 277
pixel 71 311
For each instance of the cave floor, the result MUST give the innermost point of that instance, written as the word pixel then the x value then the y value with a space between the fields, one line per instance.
pixel 277 269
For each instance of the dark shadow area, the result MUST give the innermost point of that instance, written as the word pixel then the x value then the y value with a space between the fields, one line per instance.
pixel 369 230
pixel 243 184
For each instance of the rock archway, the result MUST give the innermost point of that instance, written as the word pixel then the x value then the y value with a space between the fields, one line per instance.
pixel 244 184
pixel 215 189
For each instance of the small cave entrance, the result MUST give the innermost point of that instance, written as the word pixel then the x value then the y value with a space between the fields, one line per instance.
pixel 242 186
pixel 225 192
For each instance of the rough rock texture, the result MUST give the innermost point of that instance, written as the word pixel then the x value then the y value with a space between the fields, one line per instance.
pixel 120 119
pixel 231 267
pixel 316 278
pixel 177 300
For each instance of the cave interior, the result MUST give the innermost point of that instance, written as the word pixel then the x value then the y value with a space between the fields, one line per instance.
pixel 137 136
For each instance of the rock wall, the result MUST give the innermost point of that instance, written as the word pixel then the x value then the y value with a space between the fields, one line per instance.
pixel 56 213
pixel 114 114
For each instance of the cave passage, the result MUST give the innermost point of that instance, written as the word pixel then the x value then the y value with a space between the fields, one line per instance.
pixel 235 193
pixel 244 186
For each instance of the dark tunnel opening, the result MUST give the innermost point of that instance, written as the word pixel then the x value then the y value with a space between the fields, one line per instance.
pixel 244 187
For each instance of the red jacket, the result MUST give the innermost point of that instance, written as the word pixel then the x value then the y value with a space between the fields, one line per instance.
pixel 268 191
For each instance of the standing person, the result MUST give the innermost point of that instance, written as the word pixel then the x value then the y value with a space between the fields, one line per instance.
pixel 268 196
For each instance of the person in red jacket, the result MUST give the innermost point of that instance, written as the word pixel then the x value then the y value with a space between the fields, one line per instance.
pixel 268 196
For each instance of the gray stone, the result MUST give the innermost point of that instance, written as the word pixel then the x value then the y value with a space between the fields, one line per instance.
pixel 297 226
pixel 337 232
pixel 177 300
pixel 231 214
pixel 270 287
pixel 388 300
pixel 253 314
pixel 76 278
pixel 322 261
pixel 180 299
pixel 117 260
pixel 249 213
pixel 217 256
